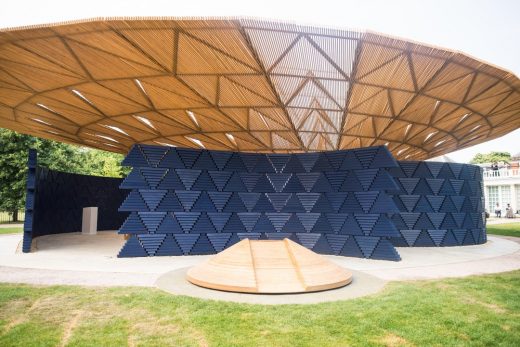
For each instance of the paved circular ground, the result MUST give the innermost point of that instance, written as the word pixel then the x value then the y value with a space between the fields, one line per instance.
pixel 175 282
pixel 91 260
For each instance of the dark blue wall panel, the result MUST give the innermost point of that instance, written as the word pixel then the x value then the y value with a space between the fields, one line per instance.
pixel 29 201
pixel 186 201
pixel 441 204
pixel 182 201
pixel 55 201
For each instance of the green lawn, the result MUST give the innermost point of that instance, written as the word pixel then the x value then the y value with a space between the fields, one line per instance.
pixel 477 311
pixel 13 230
pixel 510 229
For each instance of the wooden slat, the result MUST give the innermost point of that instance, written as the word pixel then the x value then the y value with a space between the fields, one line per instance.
pixel 268 267
pixel 277 87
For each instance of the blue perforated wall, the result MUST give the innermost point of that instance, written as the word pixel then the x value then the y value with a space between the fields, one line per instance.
pixel 186 201
pixel 441 204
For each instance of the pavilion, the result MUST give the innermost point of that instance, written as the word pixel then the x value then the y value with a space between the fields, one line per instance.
pixel 355 113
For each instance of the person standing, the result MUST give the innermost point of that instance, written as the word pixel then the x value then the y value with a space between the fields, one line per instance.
pixel 498 211
pixel 495 171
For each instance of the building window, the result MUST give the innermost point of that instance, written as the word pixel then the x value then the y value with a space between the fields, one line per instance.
pixel 517 190
pixel 492 198
pixel 506 196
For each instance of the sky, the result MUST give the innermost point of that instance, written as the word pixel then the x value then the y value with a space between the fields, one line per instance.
pixel 485 29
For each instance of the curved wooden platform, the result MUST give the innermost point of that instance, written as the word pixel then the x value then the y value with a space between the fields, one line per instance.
pixel 269 267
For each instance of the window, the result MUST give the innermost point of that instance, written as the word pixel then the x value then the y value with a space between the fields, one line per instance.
pixel 502 195
pixel 492 198
pixel 517 190
pixel 506 196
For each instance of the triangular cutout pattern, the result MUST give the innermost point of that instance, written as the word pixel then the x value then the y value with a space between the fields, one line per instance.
pixel 219 241
pixel 293 224
pixel 134 180
pixel 132 248
pixel 186 241
pixel 169 247
pixel 345 202
pixel 188 177
pixel 220 178
pixel 249 199
pixel 219 220
pixel 152 220
pixel 249 219
pixel 169 225
pixel 444 204
pixel 351 249
pixel 172 160
pixel 135 158
pixel 133 225
pixel 187 219
pixel 171 181
pixel 151 242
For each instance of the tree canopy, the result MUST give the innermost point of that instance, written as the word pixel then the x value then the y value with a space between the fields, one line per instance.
pixel 491 157
pixel 14 148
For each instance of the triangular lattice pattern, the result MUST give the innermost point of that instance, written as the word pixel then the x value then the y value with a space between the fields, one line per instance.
pixel 248 85
pixel 442 204
pixel 186 201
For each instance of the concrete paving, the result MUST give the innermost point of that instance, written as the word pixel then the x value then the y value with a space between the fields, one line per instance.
pixel 68 277
pixel 91 260
pixel 362 284
pixel 497 255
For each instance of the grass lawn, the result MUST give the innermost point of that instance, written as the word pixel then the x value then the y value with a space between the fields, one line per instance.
pixel 13 230
pixel 510 229
pixel 479 311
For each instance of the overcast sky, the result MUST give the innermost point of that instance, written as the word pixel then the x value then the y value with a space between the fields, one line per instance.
pixel 486 29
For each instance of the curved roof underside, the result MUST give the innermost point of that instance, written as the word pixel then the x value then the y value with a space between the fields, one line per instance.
pixel 248 85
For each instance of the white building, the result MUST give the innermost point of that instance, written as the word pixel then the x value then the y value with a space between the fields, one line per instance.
pixel 502 186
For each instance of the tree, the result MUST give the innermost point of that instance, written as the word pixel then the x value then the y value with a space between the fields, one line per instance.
pixel 491 157
pixel 59 156
pixel 13 170
pixel 101 163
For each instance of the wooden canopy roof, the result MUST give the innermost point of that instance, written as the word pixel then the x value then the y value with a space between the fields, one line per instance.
pixel 247 85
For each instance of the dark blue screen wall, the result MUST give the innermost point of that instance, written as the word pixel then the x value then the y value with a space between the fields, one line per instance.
pixel 441 204
pixel 29 200
pixel 55 201
pixel 186 201
pixel 183 201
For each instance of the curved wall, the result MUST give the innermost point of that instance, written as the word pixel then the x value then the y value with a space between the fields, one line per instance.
pixel 441 204
pixel 183 201
pixel 30 186
pixel 61 196
pixel 353 203
pixel 55 201
pixel 186 201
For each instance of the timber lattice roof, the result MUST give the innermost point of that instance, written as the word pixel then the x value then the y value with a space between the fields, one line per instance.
pixel 248 85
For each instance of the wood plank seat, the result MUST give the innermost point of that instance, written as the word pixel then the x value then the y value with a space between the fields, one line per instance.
pixel 269 266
